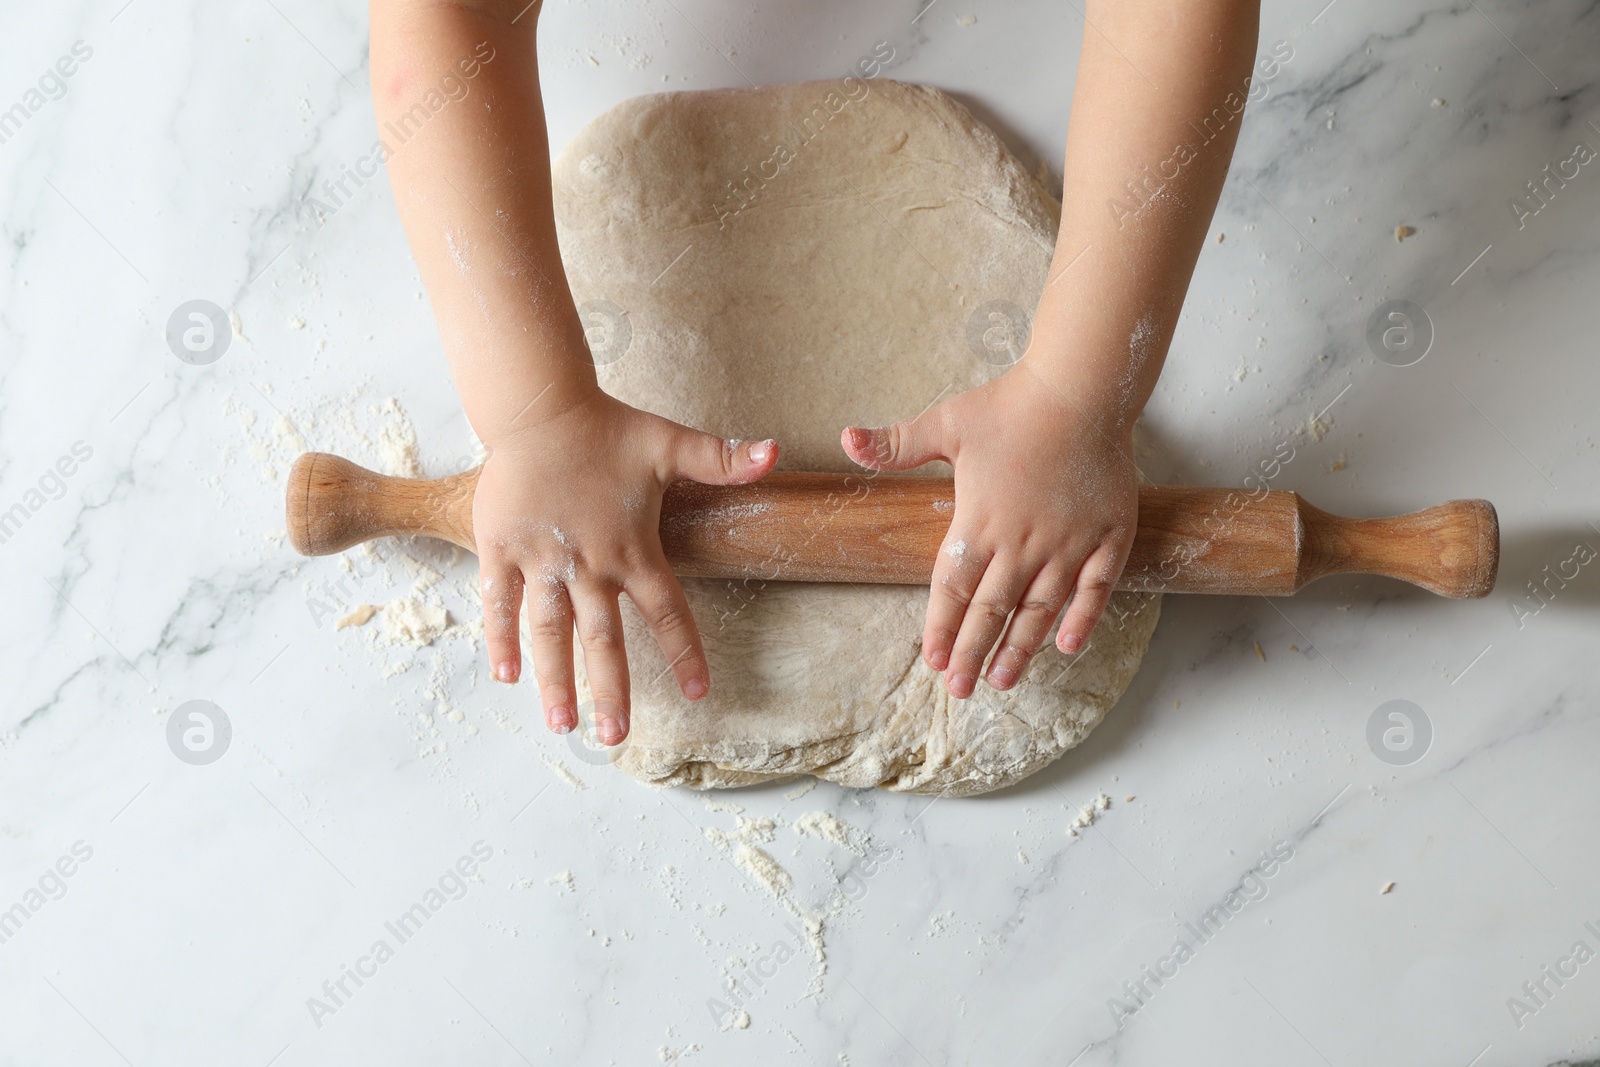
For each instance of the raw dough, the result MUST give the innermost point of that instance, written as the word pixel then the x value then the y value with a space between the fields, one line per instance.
pixel 840 288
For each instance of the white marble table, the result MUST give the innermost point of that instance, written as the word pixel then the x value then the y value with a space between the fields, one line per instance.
pixel 208 905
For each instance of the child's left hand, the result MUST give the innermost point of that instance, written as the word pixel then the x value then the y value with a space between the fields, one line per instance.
pixel 1046 506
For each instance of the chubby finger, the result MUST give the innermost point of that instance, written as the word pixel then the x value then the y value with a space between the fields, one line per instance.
pixel 983 623
pixel 501 585
pixel 1030 626
pixel 1091 592
pixel 550 647
pixel 711 460
pixel 899 447
pixel 956 576
pixel 605 658
pixel 660 600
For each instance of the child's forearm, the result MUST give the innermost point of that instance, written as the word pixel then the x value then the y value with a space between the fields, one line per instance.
pixel 456 90
pixel 1156 112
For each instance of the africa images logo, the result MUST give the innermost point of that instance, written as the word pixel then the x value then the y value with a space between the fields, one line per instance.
pixel 453 884
pixel 1252 888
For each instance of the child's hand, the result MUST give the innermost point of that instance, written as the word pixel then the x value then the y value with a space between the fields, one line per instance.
pixel 568 512
pixel 1046 506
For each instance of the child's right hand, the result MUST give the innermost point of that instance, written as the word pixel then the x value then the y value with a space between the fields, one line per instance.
pixel 568 512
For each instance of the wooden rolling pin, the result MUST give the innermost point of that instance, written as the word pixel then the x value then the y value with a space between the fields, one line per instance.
pixel 886 529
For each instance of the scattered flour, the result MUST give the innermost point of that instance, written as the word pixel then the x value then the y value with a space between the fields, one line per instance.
pixel 424 575
pixel 628 48
pixel 747 831
pixel 408 621
pixel 757 829
pixel 563 773
pixel 827 826
pixel 759 865
pixel 1315 427
pixel 286 436
pixel 397 442
pixel 1088 813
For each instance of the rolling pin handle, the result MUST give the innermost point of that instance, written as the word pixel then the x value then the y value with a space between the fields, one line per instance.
pixel 334 504
pixel 1452 549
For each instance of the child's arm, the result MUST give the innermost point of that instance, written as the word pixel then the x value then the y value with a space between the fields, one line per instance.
pixel 1046 490
pixel 568 505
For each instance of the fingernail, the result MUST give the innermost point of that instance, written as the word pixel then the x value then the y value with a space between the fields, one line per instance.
pixel 859 439
pixel 502 672
pixel 761 451
pixel 939 660
pixel 1071 643
pixel 610 731
pixel 694 689
pixel 1002 677
pixel 960 686
pixel 561 719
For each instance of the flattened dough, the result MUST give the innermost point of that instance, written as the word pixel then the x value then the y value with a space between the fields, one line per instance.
pixel 837 288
